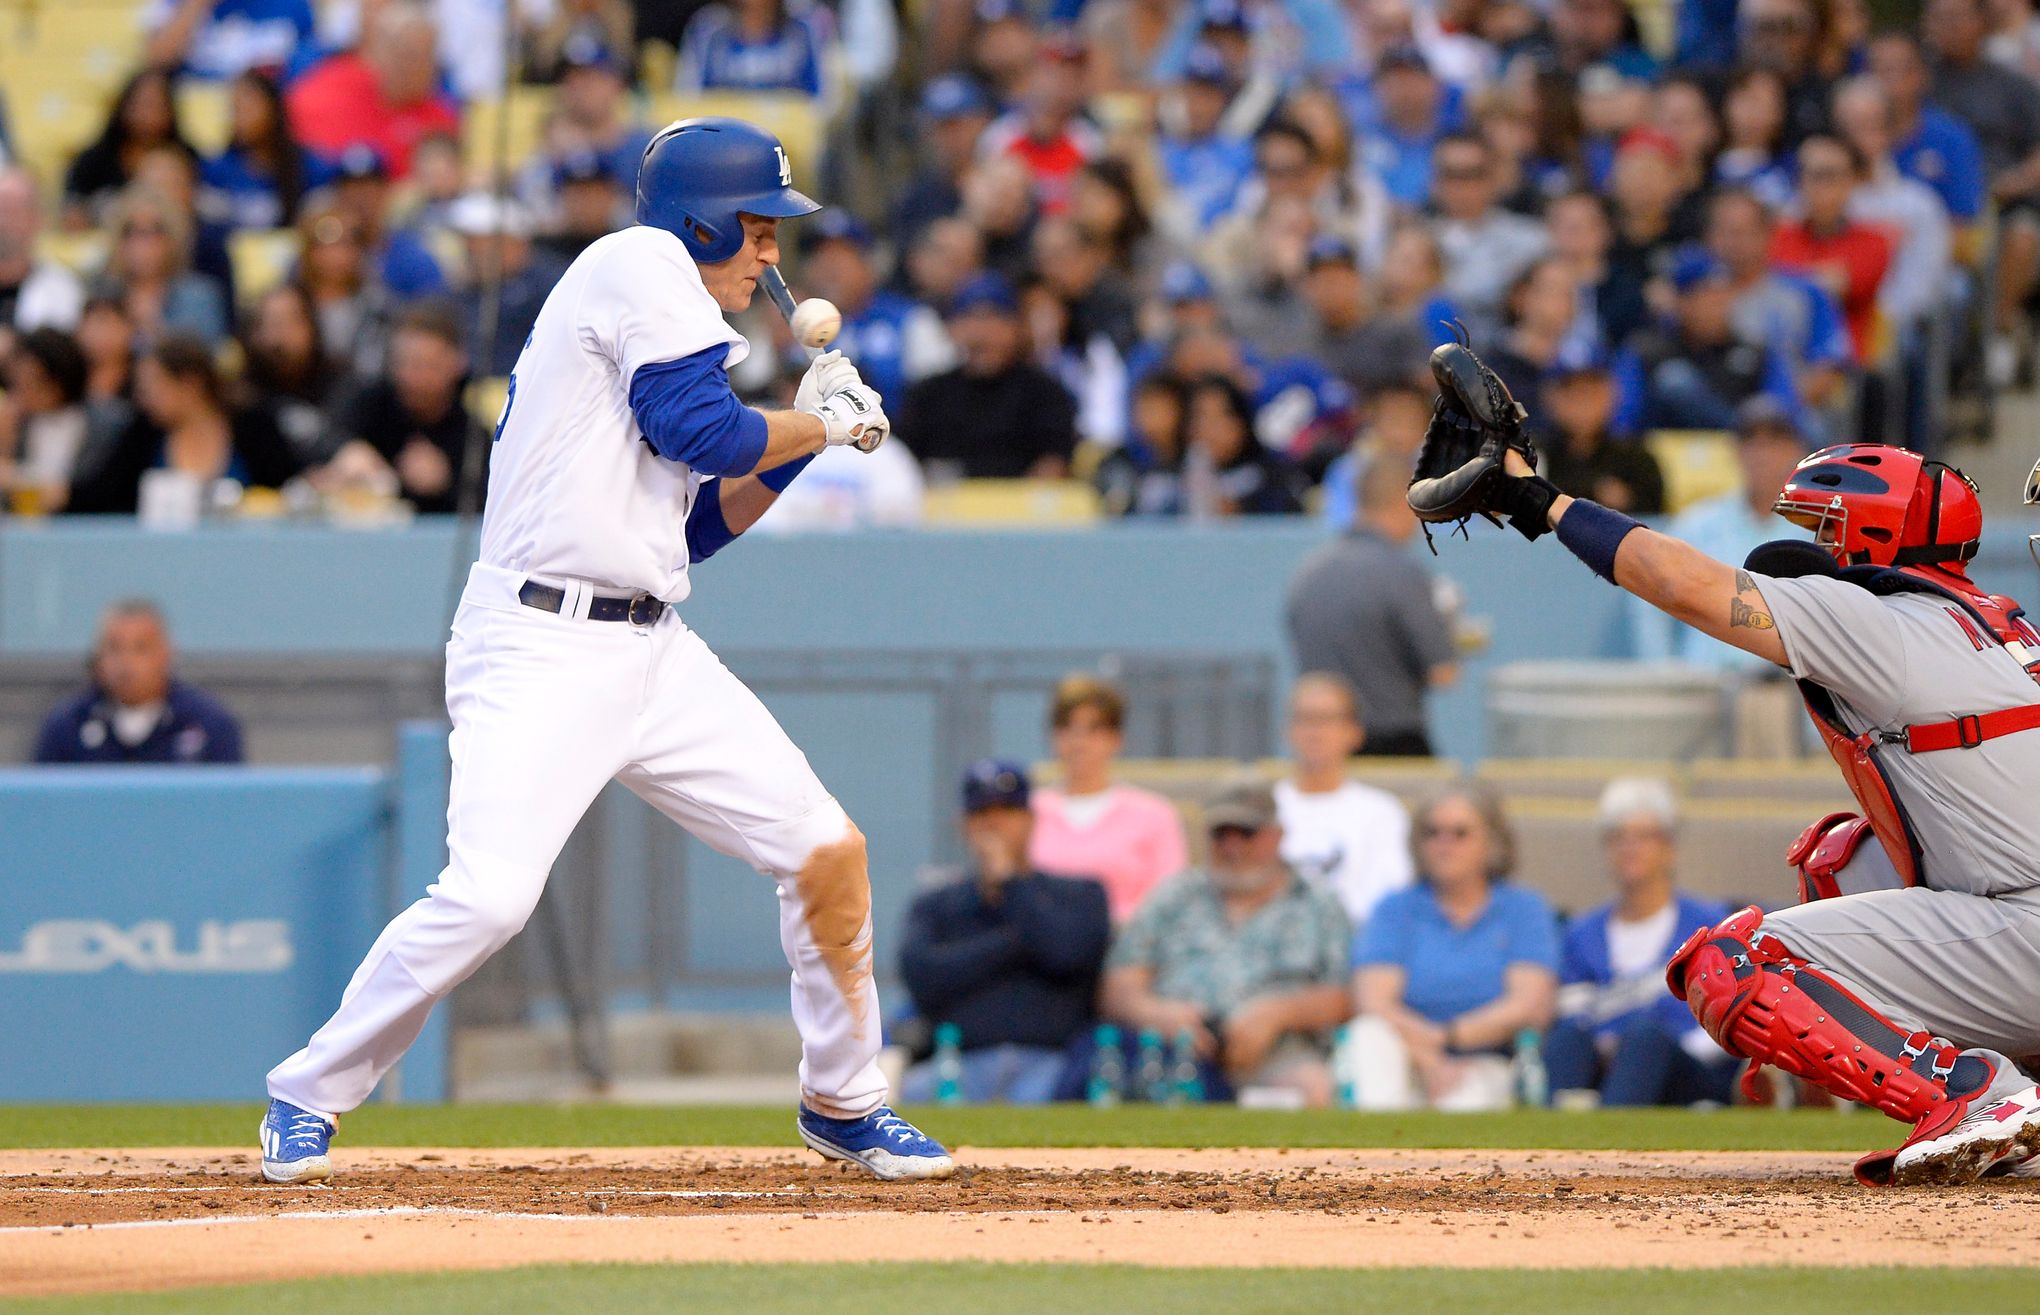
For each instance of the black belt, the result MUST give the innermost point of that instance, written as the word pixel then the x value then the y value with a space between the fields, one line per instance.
pixel 639 609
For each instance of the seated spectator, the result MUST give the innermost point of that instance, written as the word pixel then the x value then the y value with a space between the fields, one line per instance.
pixel 549 50
pixel 1484 246
pixel 1695 370
pixel 1245 958
pixel 1106 205
pixel 1412 116
pixel 1582 455
pixel 895 340
pixel 1077 266
pixel 143 115
pixel 149 270
pixel 1339 835
pixel 1539 314
pixel 496 236
pixel 1768 445
pixel 1652 213
pixel 398 258
pixel 1009 957
pixel 1905 210
pixel 263 174
pixel 410 430
pixel 1788 35
pixel 1294 187
pixel 1397 417
pixel 1227 470
pixel 1753 155
pixel 43 424
pixel 1365 608
pixel 1412 285
pixel 218 40
pixel 287 368
pixel 592 110
pixel 1448 972
pixel 948 254
pixel 135 710
pixel 1611 301
pixel 999 201
pixel 107 336
pixel 1844 257
pixel 384 94
pixel 35 291
pixel 1204 162
pixel 1620 1037
pixel 996 415
pixel 590 205
pixel 1144 475
pixel 185 426
pixel 1127 839
pixel 1776 311
pixel 1046 130
pixel 1590 32
pixel 173 174
pixel 1367 350
pixel 1930 145
pixel 954 114
pixel 353 306
pixel 755 46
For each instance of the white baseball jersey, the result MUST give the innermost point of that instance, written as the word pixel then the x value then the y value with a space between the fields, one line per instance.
pixel 574 490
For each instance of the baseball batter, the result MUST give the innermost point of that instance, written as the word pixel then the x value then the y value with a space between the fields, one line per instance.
pixel 622 457
pixel 1909 979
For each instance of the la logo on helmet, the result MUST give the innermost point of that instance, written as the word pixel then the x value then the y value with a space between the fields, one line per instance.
pixel 785 167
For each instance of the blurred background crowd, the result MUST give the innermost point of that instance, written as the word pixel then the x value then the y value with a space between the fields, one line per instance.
pixel 1190 253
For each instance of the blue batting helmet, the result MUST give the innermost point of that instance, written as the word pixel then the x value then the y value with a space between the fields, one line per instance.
pixel 700 174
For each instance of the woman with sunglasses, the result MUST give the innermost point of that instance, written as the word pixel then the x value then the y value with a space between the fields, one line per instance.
pixel 149 269
pixel 1448 972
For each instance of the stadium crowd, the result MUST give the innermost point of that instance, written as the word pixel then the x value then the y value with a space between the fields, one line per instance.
pixel 1194 251
pixel 1329 947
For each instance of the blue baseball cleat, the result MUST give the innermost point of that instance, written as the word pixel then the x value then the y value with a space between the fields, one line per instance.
pixel 881 1142
pixel 294 1145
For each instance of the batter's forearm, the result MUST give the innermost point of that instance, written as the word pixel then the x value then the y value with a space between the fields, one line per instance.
pixel 789 436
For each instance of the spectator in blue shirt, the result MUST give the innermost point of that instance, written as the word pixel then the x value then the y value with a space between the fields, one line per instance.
pixel 1410 115
pixel 404 265
pixel 258 180
pixel 895 340
pixel 221 39
pixel 1931 144
pixel 1449 971
pixel 1775 310
pixel 1621 1038
pixel 135 710
pixel 1204 165
pixel 954 114
pixel 1009 957
pixel 753 45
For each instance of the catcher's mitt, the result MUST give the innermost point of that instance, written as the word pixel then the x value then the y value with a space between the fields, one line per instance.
pixel 1459 469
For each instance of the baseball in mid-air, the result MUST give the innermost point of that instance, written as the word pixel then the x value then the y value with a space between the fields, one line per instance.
pixel 816 322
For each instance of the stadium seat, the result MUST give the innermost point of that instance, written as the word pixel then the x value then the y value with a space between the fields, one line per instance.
pixel 485 399
pixel 204 112
pixel 1698 464
pixel 526 111
pixel 1016 502
pixel 1567 778
pixel 262 258
pixel 81 253
pixel 1815 781
pixel 797 121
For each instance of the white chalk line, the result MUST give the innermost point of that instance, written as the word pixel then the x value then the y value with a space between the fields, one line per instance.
pixel 682 1194
pixel 383 1212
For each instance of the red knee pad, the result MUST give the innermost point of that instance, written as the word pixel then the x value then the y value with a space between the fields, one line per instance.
pixel 1760 1001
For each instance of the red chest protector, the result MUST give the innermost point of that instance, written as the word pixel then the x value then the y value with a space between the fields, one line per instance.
pixel 1989 619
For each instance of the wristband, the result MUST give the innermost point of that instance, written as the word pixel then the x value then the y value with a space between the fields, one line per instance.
pixel 1526 500
pixel 779 477
pixel 1592 533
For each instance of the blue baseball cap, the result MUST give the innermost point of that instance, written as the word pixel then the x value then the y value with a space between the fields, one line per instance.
pixel 1325 249
pixel 1183 282
pixel 1205 65
pixel 1695 265
pixel 582 166
pixel 834 225
pixel 586 50
pixel 987 291
pixel 952 96
pixel 1577 358
pixel 1226 15
pixel 994 783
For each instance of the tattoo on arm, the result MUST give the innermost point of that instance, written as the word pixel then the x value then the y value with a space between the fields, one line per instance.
pixel 1740 613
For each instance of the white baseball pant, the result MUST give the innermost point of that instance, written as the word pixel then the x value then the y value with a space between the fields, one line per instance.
pixel 546 710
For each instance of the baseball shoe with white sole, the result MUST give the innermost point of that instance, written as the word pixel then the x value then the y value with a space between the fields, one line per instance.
pixel 1961 1140
pixel 882 1143
pixel 294 1145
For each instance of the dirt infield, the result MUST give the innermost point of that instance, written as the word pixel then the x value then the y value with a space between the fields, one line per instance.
pixel 73 1221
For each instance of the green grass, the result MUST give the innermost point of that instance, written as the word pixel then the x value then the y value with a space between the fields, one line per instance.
pixel 1212 1125
pixel 985 1289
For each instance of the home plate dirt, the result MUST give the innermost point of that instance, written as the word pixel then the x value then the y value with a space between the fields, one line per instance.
pixel 74 1221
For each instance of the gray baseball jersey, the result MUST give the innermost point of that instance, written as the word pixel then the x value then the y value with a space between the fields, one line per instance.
pixel 1907 659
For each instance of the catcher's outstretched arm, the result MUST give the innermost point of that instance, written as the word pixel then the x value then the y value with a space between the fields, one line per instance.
pixel 1679 579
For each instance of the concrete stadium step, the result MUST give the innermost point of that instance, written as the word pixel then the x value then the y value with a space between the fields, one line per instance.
pixel 653 1059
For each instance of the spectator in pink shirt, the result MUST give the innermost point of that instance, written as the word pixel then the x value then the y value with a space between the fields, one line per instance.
pixel 1128 839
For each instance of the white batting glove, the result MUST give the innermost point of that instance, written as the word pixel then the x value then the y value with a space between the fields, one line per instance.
pixel 854 415
pixel 827 373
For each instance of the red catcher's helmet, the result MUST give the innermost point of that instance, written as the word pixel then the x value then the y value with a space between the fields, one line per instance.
pixel 1872 505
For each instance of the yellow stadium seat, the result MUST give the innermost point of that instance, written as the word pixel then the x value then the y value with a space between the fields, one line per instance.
pixel 656 60
pixel 53 111
pixel 485 399
pixel 796 120
pixel 262 258
pixel 81 253
pixel 526 111
pixel 1013 502
pixel 204 114
pixel 1698 464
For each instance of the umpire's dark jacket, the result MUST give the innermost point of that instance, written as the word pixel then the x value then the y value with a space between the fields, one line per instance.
pixel 1019 971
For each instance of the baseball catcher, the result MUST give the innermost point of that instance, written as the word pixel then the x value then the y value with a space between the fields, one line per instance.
pixel 1908 978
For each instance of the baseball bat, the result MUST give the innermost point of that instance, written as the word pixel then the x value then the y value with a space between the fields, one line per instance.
pixel 775 287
